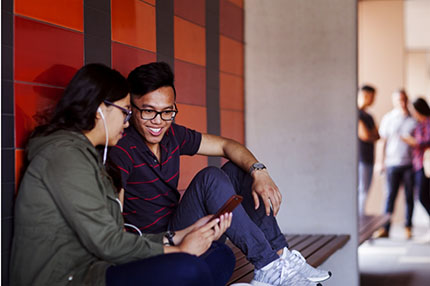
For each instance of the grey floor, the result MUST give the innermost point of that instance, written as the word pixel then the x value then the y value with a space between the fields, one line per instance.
pixel 396 261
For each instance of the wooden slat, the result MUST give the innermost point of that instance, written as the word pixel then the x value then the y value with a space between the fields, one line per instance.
pixel 369 224
pixel 328 249
pixel 315 248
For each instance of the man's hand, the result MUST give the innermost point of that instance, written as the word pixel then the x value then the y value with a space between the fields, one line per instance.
pixel 264 187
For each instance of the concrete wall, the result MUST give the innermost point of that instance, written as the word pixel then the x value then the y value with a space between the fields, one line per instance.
pixel 300 98
pixel 381 55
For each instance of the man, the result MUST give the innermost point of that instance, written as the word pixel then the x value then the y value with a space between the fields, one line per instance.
pixel 397 158
pixel 148 157
pixel 367 135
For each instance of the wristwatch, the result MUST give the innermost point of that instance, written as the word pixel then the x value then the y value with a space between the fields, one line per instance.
pixel 169 235
pixel 256 166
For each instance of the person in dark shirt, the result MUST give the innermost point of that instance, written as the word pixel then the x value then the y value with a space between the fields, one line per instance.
pixel 148 158
pixel 367 136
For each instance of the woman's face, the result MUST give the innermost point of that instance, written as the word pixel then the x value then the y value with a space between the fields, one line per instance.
pixel 115 119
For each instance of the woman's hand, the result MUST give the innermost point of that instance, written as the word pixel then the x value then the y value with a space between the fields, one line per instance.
pixel 197 238
pixel 224 224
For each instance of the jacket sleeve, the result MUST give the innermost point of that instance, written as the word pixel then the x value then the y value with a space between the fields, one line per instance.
pixel 71 178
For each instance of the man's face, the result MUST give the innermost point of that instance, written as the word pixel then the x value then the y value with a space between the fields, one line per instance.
pixel 153 130
pixel 400 100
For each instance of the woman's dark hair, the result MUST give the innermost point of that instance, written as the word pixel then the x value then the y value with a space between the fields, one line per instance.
pixel 150 77
pixel 421 106
pixel 76 110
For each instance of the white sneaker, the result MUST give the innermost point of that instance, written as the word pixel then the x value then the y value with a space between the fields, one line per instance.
pixel 279 274
pixel 298 262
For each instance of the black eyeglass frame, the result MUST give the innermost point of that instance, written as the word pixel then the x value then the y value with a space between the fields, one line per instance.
pixel 157 112
pixel 128 113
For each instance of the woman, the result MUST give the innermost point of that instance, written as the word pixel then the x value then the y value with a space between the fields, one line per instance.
pixel 68 223
pixel 421 141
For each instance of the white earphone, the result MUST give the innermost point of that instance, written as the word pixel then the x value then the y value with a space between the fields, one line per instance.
pixel 99 110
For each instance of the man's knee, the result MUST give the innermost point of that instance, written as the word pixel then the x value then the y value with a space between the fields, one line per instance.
pixel 211 174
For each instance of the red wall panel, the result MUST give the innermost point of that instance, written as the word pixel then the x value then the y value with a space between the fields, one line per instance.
pixel 190 83
pixel 126 58
pixel 32 106
pixel 231 56
pixel 45 53
pixel 192 10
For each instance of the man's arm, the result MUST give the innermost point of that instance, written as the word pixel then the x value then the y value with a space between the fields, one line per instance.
pixel 263 186
pixel 365 134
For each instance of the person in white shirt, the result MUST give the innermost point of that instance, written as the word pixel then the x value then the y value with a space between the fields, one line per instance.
pixel 397 158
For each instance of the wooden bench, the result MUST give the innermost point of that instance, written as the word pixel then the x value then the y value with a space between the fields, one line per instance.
pixel 368 224
pixel 315 248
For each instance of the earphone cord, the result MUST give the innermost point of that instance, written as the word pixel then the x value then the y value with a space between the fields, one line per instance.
pixel 107 136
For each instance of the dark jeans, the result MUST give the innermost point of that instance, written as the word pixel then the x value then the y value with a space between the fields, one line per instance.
pixel 396 176
pixel 423 184
pixel 252 231
pixel 213 268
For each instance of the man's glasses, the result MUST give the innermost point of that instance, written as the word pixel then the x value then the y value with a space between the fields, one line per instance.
pixel 126 112
pixel 149 114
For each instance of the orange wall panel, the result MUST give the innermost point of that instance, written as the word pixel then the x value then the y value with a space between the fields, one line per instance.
pixel 193 117
pixel 66 13
pixel 45 53
pixel 231 56
pixel 133 23
pixel 190 166
pixel 231 91
pixel 232 125
pixel 190 42
pixel 237 2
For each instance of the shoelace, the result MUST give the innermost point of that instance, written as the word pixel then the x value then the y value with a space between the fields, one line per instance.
pixel 297 257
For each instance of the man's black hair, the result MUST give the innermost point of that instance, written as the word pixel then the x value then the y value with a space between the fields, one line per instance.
pixel 368 88
pixel 150 77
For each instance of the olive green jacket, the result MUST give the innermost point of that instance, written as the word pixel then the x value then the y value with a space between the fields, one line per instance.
pixel 68 223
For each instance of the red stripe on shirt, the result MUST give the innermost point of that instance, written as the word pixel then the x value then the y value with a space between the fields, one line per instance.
pixel 119 147
pixel 162 164
pixel 122 169
pixel 157 196
pixel 149 225
pixel 140 165
pixel 132 198
pixel 165 149
pixel 157 211
pixel 147 182
pixel 183 143
pixel 174 150
pixel 133 147
pixel 173 177
pixel 173 131
pixel 132 212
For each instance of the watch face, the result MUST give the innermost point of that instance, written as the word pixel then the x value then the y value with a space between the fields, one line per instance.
pixel 259 166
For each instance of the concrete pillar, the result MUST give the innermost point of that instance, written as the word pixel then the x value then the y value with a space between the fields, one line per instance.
pixel 300 94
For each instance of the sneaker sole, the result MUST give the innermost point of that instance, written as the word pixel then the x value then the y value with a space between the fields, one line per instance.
pixel 320 279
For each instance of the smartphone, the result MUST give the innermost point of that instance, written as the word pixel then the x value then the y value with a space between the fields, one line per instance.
pixel 229 206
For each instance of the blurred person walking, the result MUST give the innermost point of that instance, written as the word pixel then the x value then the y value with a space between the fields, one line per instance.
pixel 367 136
pixel 420 141
pixel 397 158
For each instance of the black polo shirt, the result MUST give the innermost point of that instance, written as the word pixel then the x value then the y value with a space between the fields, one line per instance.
pixel 151 194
